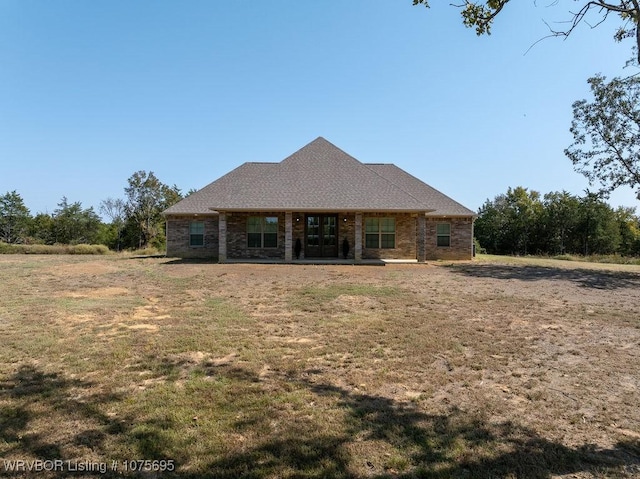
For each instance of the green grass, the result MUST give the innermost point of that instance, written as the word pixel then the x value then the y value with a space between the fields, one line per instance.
pixel 595 259
pixel 609 259
pixel 563 262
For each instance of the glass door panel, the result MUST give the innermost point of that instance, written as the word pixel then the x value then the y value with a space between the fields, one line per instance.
pixel 321 237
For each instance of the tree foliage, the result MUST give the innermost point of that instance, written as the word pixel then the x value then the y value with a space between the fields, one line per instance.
pixel 41 229
pixel 133 222
pixel 606 134
pixel 521 222
pixel 73 224
pixel 115 210
pixel 146 198
pixel 629 231
pixel 508 223
pixel 481 15
pixel 560 221
pixel 14 218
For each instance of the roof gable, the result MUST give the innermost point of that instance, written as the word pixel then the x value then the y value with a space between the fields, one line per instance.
pixel 319 176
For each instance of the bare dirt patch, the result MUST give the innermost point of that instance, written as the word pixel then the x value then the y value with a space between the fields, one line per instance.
pixel 81 268
pixel 97 293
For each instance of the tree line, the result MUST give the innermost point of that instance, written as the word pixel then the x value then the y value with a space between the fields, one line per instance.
pixel 522 222
pixel 134 221
pixel 518 222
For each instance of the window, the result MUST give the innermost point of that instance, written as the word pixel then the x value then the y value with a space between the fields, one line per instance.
pixel 262 232
pixel 196 233
pixel 443 234
pixel 380 233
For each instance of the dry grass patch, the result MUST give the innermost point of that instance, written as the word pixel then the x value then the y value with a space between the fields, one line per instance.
pixel 483 369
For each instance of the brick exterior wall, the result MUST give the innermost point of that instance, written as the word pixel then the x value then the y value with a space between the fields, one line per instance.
pixel 406 247
pixel 298 220
pixel 237 242
pixel 178 237
pixel 461 239
pixel 347 230
pixel 405 238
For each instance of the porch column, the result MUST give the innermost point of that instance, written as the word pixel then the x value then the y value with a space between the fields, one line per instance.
pixel 222 237
pixel 288 237
pixel 357 252
pixel 421 238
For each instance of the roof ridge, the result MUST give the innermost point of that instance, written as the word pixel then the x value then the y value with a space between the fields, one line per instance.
pixel 323 140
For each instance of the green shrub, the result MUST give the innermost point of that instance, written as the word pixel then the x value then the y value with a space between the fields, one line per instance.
pixel 6 248
pixel 53 249
pixel 478 247
pixel 89 249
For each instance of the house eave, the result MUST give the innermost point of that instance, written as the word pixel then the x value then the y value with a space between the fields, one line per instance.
pixel 321 210
pixel 444 215
pixel 191 214
pixel 429 213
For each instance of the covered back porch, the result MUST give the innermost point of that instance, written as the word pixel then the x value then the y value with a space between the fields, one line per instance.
pixel 321 236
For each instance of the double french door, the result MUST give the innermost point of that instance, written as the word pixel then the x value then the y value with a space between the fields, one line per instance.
pixel 321 236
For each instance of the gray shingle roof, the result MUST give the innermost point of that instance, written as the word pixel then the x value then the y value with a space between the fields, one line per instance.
pixel 440 203
pixel 318 177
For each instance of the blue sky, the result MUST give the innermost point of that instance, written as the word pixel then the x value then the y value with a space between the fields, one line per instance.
pixel 91 92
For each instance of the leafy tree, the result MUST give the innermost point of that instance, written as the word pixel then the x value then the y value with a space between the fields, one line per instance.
pixel 518 222
pixel 606 133
pixel 480 15
pixel 115 210
pixel 561 212
pixel 490 225
pixel 629 231
pixel 41 229
pixel 526 210
pixel 73 225
pixel 147 197
pixel 597 227
pixel 510 224
pixel 14 218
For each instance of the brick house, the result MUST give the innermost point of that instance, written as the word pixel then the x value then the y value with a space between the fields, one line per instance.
pixel 319 202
